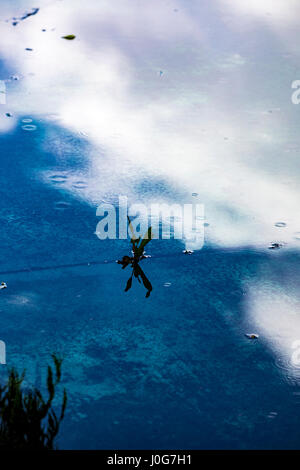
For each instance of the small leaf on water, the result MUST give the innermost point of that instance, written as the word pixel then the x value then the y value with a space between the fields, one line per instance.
pixel 69 37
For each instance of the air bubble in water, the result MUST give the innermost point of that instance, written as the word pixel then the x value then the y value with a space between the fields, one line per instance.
pixel 79 185
pixel 61 205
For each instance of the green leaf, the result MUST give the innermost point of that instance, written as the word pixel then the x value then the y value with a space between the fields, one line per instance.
pixel 69 37
pixel 145 280
pixel 129 284
pixel 134 238
pixel 147 238
pixel 64 404
pixel 57 362
pixel 50 384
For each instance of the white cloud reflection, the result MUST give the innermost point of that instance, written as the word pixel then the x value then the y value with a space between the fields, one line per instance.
pixel 170 88
pixel 274 311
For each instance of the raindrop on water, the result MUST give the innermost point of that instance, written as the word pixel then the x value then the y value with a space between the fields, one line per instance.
pixel 61 205
pixel 29 127
pixel 58 178
pixel 280 224
pixel 79 185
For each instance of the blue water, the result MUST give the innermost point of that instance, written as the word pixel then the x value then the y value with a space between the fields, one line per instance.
pixel 171 371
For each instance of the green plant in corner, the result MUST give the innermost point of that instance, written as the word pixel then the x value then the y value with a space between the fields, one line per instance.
pixel 27 420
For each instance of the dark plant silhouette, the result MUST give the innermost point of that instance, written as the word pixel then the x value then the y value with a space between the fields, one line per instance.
pixel 27 420
pixel 138 246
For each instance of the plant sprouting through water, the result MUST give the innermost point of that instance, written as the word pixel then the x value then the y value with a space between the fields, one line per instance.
pixel 138 246
pixel 27 420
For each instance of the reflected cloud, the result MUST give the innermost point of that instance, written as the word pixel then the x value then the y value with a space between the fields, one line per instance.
pixel 273 307
pixel 280 13
pixel 203 123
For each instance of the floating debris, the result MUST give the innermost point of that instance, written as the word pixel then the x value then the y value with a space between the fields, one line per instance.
pixel 69 37
pixel 252 335
pixel 167 284
pixel 194 194
pixel 138 246
pixel 28 49
pixel 280 224
pixel 33 12
pixel 275 246
pixel 188 252
pixel 3 285
pixel 8 114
